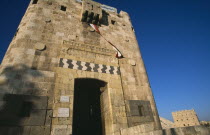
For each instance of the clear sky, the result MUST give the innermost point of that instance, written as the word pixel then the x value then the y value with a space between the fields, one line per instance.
pixel 174 37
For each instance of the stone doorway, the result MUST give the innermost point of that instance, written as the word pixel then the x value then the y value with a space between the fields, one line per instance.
pixel 87 114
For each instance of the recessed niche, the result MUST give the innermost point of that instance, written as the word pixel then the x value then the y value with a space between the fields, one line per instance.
pixel 63 8
pixel 140 109
pixel 113 22
pixel 35 2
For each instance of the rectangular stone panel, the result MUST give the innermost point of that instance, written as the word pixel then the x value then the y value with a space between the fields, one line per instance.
pixel 64 99
pixel 135 106
pixel 63 112
pixel 139 112
pixel 17 110
pixel 10 130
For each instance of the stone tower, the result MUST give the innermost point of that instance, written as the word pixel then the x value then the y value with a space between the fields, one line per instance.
pixel 61 77
pixel 185 118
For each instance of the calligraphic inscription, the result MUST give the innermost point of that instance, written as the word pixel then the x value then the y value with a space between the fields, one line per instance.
pixel 89 55
pixel 89 48
pixel 63 112
pixel 64 99
pixel 86 66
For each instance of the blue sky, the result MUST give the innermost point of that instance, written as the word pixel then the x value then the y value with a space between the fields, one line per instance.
pixel 174 37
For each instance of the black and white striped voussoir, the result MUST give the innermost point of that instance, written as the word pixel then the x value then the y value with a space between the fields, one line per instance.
pixel 86 66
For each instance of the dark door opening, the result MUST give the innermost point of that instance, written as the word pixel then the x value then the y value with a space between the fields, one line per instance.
pixel 87 109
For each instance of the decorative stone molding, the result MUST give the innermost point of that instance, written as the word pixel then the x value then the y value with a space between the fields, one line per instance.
pixel 86 66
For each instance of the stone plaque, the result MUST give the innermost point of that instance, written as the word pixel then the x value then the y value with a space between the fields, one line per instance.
pixel 64 99
pixel 63 112
pixel 87 48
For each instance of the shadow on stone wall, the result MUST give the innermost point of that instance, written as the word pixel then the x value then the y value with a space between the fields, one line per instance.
pixel 20 111
pixel 19 79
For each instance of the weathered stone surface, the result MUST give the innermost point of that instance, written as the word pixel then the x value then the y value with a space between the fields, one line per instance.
pixel 64 99
pixel 48 120
pixel 39 130
pixel 55 26
pixel 40 46
pixel 139 130
pixel 63 112
pixel 37 118
pixel 185 118
pixel 166 123
pixel 26 130
pixel 18 110
pixel 139 112
pixel 3 80
pixel 10 131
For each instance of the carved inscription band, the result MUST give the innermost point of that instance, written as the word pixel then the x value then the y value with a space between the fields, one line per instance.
pixel 88 48
pixel 86 66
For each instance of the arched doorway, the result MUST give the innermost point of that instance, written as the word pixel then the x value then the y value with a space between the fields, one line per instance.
pixel 87 107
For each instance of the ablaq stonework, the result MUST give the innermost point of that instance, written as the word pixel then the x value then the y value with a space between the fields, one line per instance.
pixel 60 76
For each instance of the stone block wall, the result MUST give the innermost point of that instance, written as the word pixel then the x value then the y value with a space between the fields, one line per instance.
pixel 185 118
pixel 52 47
pixel 144 130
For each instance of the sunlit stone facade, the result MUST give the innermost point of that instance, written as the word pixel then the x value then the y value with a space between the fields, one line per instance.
pixel 185 118
pixel 55 57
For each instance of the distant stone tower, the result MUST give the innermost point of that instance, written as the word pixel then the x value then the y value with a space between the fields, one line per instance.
pixel 185 118
pixel 61 77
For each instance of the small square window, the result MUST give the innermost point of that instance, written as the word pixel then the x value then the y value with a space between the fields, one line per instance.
pixel 63 8
pixel 113 22
pixel 35 2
